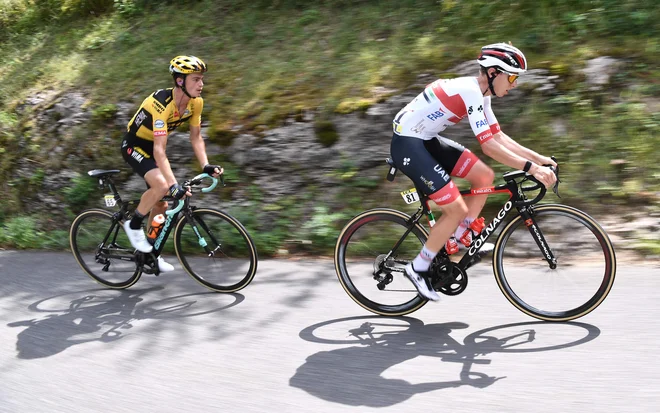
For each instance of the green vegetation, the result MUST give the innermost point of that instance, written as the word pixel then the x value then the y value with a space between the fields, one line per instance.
pixel 272 60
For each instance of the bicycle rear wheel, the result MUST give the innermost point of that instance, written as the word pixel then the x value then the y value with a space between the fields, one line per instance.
pixel 368 268
pixel 586 264
pixel 216 250
pixel 102 249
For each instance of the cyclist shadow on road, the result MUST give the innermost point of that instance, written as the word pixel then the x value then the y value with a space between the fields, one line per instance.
pixel 354 375
pixel 100 315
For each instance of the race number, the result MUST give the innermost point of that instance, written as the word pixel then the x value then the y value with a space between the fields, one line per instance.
pixel 410 196
pixel 110 200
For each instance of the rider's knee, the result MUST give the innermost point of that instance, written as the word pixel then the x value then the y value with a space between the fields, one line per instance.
pixel 162 188
pixel 456 211
pixel 482 176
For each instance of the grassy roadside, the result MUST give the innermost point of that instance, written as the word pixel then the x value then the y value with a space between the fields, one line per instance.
pixel 273 59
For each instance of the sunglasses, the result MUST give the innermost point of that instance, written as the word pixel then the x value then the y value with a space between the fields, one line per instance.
pixel 510 77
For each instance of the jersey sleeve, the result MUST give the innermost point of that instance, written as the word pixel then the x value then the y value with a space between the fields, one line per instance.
pixel 474 104
pixel 490 116
pixel 198 106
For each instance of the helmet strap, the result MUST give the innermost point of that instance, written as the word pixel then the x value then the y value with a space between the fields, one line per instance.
pixel 491 79
pixel 182 85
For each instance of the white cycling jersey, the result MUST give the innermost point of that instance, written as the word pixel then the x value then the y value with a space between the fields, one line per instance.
pixel 444 103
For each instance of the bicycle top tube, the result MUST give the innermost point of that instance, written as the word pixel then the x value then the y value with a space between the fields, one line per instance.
pixel 515 188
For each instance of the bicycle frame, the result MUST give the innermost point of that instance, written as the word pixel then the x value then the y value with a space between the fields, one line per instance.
pixel 517 202
pixel 171 217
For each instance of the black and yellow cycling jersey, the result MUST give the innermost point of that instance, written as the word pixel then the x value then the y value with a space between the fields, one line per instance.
pixel 159 115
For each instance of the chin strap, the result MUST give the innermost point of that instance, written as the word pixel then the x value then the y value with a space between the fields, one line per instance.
pixel 183 87
pixel 490 85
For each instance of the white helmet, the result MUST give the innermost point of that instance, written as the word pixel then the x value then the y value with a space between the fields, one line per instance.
pixel 503 56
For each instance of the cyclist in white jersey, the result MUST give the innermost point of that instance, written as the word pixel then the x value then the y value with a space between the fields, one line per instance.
pixel 430 160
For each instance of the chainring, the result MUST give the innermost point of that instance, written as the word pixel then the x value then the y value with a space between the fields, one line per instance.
pixel 450 282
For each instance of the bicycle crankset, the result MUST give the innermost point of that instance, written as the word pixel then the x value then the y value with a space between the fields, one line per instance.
pixel 450 279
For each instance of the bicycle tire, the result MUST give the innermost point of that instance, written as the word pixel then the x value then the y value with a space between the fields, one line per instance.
pixel 84 241
pixel 581 227
pixel 348 280
pixel 222 233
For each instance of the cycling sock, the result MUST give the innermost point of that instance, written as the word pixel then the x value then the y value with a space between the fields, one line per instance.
pixel 422 261
pixel 136 221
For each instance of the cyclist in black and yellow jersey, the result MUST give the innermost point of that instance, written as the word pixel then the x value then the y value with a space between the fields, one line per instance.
pixel 144 144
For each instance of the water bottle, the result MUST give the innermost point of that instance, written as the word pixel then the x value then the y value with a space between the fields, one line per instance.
pixel 472 231
pixel 156 225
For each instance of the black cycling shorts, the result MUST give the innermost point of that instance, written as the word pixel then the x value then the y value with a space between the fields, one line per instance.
pixel 139 154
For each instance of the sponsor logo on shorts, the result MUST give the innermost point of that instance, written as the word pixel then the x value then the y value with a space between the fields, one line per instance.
pixel 160 133
pixel 465 165
pixel 428 183
pixel 142 152
pixel 441 172
pixel 159 124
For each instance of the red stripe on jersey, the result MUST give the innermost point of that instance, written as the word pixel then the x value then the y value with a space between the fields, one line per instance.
pixel 495 128
pixel 484 137
pixel 454 103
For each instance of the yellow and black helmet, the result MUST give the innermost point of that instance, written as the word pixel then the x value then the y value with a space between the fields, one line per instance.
pixel 186 65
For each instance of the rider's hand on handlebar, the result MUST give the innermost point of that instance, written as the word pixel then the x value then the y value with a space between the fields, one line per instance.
pixel 177 191
pixel 544 174
pixel 545 161
pixel 213 170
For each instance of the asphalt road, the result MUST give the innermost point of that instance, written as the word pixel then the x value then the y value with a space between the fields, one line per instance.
pixel 293 341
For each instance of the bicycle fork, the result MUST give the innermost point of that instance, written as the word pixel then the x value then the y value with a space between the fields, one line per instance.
pixel 200 238
pixel 530 223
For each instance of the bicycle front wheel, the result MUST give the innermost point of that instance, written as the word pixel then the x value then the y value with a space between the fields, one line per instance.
pixel 216 250
pixel 370 256
pixel 102 249
pixel 584 272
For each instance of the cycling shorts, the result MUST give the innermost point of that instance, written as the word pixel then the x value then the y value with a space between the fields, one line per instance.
pixel 427 162
pixel 138 153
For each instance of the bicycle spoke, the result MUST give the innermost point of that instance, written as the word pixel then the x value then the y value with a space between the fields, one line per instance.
pixel 368 267
pixel 583 274
pixel 103 250
pixel 216 250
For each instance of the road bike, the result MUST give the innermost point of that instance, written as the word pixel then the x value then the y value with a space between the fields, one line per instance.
pixel 553 262
pixel 212 246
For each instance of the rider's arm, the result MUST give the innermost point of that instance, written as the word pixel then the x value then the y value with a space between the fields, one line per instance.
pixel 160 142
pixel 198 145
pixel 493 148
pixel 522 151
pixel 196 132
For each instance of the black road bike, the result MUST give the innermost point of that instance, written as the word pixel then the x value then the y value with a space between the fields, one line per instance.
pixel 213 247
pixel 551 261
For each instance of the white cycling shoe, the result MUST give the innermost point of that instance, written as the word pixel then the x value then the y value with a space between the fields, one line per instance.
pixel 163 266
pixel 420 284
pixel 137 238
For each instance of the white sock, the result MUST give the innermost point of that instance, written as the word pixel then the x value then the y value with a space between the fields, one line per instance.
pixel 422 261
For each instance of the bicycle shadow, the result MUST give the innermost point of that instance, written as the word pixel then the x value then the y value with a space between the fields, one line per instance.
pixel 354 375
pixel 101 315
